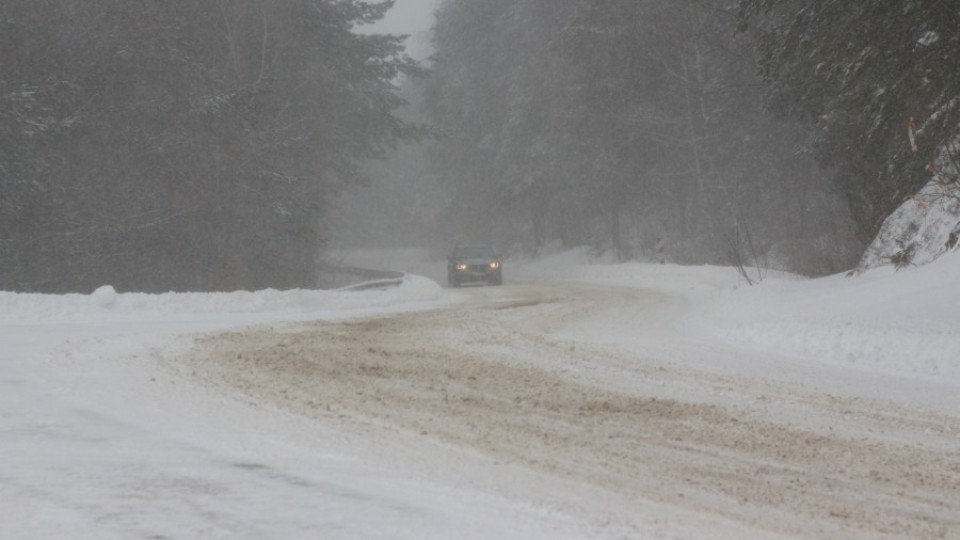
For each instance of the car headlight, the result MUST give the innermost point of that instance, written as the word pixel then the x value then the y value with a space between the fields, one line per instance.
pixel 495 265
pixel 461 266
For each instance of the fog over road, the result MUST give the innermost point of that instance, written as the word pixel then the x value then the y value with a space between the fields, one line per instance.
pixel 518 391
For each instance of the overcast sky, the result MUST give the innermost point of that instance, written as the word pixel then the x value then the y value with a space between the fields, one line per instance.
pixel 408 17
pixel 413 17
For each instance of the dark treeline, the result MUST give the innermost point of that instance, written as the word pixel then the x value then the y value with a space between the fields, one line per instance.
pixel 182 145
pixel 624 123
pixel 864 74
pixel 179 145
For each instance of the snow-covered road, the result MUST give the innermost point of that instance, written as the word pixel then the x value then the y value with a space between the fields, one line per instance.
pixel 498 376
pixel 619 402
pixel 99 440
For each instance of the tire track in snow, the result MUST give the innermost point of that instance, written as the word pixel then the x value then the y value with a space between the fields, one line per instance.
pixel 489 377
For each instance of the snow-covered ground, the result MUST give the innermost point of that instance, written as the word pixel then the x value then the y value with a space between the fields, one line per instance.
pixel 97 441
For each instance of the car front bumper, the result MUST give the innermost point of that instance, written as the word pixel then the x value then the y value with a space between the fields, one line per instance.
pixel 476 272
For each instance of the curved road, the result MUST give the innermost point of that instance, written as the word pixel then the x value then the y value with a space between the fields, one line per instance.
pixel 519 390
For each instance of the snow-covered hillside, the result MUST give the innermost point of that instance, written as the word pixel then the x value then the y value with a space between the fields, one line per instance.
pixel 921 230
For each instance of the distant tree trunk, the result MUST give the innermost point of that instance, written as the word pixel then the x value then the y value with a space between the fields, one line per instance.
pixel 615 231
pixel 696 117
pixel 539 208
pixel 616 240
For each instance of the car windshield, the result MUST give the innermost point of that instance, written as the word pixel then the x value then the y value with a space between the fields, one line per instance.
pixel 473 252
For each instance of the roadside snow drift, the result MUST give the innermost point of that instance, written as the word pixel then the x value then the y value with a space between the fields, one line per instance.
pixel 905 321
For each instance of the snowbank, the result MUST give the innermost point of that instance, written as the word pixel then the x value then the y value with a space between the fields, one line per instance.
pixel 106 303
pixel 905 321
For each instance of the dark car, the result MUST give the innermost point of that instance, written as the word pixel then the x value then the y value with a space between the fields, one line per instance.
pixel 474 264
